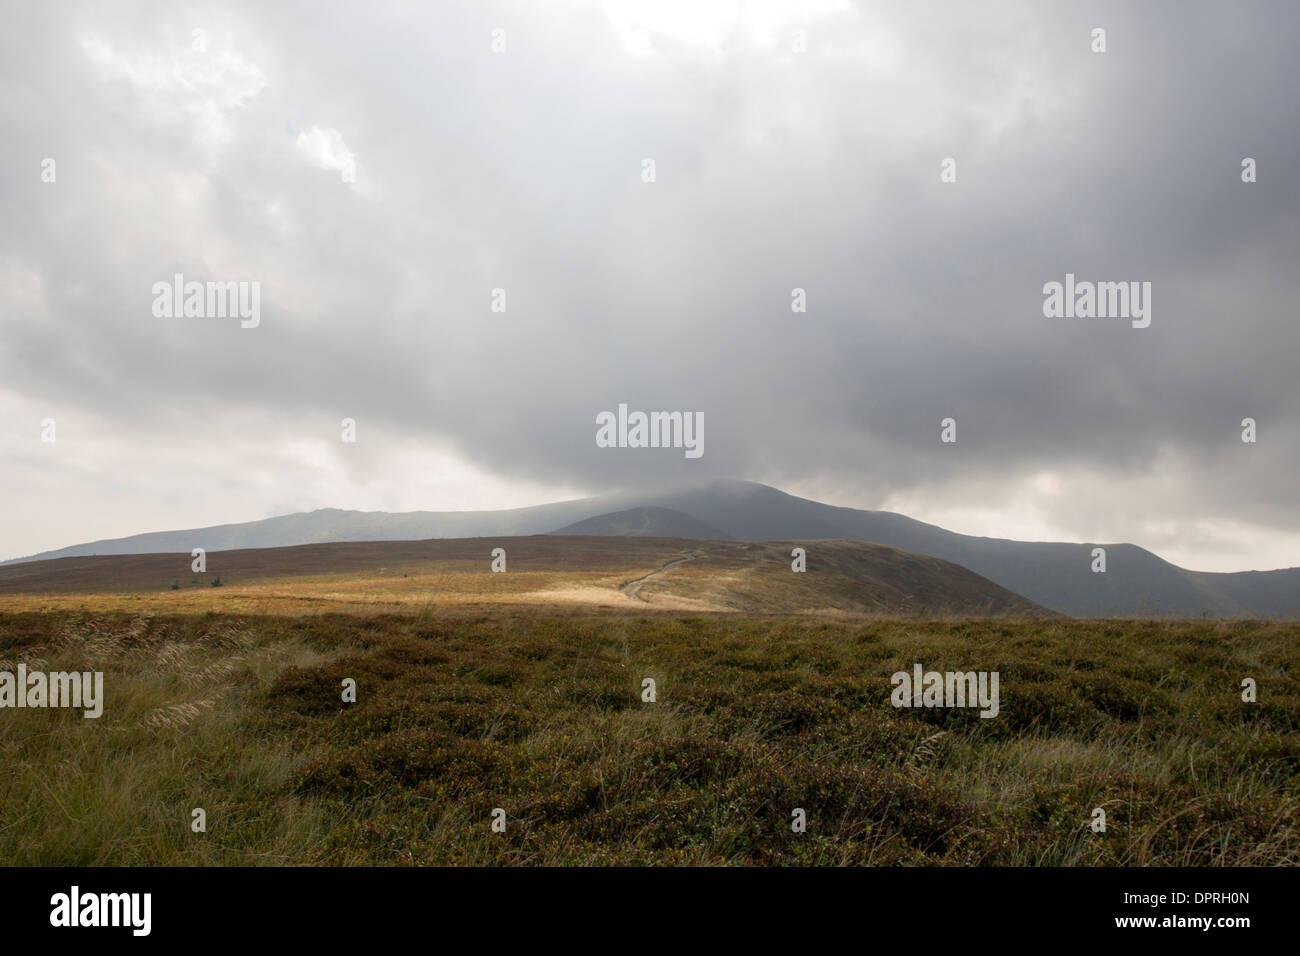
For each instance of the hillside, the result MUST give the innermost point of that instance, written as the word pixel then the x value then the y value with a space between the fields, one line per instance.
pixel 644 522
pixel 632 573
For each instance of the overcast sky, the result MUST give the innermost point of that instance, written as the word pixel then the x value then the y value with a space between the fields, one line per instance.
pixel 379 169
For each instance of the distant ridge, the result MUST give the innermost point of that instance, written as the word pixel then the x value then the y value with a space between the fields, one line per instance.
pixel 1058 576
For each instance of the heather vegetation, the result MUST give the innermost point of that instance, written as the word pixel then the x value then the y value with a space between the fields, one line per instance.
pixel 540 712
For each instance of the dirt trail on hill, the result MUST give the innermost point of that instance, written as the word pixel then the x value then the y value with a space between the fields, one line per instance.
pixel 633 588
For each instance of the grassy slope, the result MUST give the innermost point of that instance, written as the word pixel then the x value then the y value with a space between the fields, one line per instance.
pixel 539 712
pixel 351 560
pixel 406 576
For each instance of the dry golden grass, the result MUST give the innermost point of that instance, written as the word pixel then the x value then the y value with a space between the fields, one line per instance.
pixel 843 578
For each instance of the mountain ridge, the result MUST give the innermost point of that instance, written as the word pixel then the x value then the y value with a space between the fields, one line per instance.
pixel 1056 575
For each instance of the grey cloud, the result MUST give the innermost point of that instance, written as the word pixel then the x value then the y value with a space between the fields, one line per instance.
pixel 522 171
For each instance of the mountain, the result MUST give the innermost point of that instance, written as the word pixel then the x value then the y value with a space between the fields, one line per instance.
pixel 645 522
pixel 1056 575
pixel 1053 574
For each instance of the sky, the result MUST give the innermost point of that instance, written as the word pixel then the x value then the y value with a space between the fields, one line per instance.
pixel 380 171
